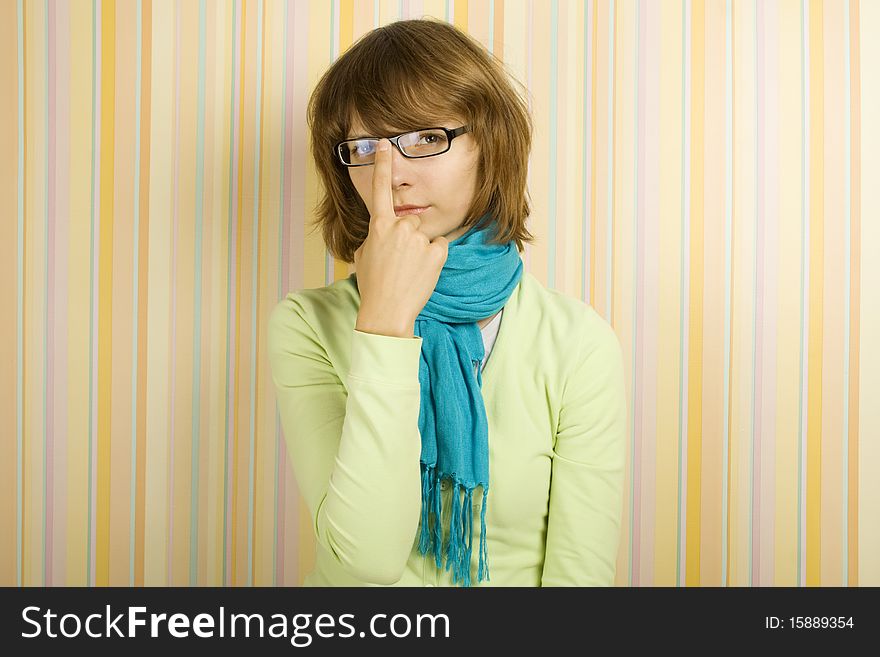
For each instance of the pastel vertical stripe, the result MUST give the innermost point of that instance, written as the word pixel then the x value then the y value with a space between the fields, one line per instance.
pixel 816 297
pixel 143 223
pixel 9 270
pixel 695 330
pixel 869 319
pixel 851 570
pixel 700 174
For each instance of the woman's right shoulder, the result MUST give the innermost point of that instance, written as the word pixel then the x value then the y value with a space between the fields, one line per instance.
pixel 316 310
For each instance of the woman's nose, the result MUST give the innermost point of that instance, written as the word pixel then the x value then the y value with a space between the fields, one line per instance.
pixel 402 169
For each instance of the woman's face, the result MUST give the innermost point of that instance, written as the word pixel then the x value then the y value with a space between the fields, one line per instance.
pixel 445 183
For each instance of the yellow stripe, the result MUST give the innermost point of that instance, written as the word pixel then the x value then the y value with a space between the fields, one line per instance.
pixel 869 309
pixel 233 519
pixel 834 231
pixel 461 15
pixel 732 378
pixel 852 520
pixel 156 482
pixel 121 361
pixel 314 250
pixel 814 385
pixel 695 336
pixel 79 293
pixel 105 291
pixel 23 533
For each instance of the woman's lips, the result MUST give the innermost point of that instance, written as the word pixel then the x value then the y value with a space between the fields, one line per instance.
pixel 405 211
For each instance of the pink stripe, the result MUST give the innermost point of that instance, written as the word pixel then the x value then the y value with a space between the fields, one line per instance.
pixel 640 303
pixel 759 308
pixel 50 313
pixel 173 328
pixel 96 250
pixel 288 151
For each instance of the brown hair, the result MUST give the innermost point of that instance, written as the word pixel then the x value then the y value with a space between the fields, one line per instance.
pixel 433 72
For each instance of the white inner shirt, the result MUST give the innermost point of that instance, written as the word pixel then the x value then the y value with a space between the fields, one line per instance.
pixel 490 333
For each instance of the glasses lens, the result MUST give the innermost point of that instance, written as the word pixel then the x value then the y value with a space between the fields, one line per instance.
pixel 424 142
pixel 358 151
pixel 421 143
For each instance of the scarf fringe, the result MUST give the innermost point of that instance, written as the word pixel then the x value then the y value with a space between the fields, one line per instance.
pixel 459 546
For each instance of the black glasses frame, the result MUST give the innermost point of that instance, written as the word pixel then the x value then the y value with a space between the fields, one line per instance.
pixel 450 135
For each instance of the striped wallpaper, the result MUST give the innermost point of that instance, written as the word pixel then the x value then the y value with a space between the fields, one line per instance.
pixel 702 175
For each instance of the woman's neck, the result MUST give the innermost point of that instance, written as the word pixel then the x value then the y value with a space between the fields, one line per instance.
pixel 484 322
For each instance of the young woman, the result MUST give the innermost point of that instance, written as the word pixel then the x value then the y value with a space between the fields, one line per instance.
pixel 421 459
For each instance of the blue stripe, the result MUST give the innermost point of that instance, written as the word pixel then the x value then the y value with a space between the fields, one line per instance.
pixel 197 329
pixel 134 291
pixel 229 289
pixel 847 204
pixel 554 93
pixel 19 337
pixel 255 252
pixel 728 234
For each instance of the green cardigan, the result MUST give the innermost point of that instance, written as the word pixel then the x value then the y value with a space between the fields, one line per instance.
pixel 556 408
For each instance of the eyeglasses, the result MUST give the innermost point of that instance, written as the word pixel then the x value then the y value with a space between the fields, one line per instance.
pixel 421 143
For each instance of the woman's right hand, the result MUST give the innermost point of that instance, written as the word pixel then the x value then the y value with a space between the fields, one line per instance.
pixel 397 265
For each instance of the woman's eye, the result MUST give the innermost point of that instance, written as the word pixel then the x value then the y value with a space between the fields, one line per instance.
pixel 361 148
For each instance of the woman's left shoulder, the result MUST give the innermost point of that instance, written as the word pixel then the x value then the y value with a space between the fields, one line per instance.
pixel 566 315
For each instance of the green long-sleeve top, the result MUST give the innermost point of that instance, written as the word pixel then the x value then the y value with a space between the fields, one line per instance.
pixel 555 403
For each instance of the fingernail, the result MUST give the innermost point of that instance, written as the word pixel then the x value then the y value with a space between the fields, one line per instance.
pixel 384 144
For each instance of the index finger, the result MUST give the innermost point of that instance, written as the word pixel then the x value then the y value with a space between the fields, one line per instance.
pixel 383 203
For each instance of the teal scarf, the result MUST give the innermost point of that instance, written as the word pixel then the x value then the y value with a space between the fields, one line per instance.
pixel 476 281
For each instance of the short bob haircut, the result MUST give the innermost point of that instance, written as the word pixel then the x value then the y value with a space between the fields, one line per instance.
pixel 417 74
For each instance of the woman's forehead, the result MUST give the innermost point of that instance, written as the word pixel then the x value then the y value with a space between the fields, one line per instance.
pixel 356 128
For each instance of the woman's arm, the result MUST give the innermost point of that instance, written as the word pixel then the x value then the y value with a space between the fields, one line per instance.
pixel 586 487
pixel 355 455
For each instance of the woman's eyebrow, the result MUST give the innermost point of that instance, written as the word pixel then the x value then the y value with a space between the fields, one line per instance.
pixel 392 134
